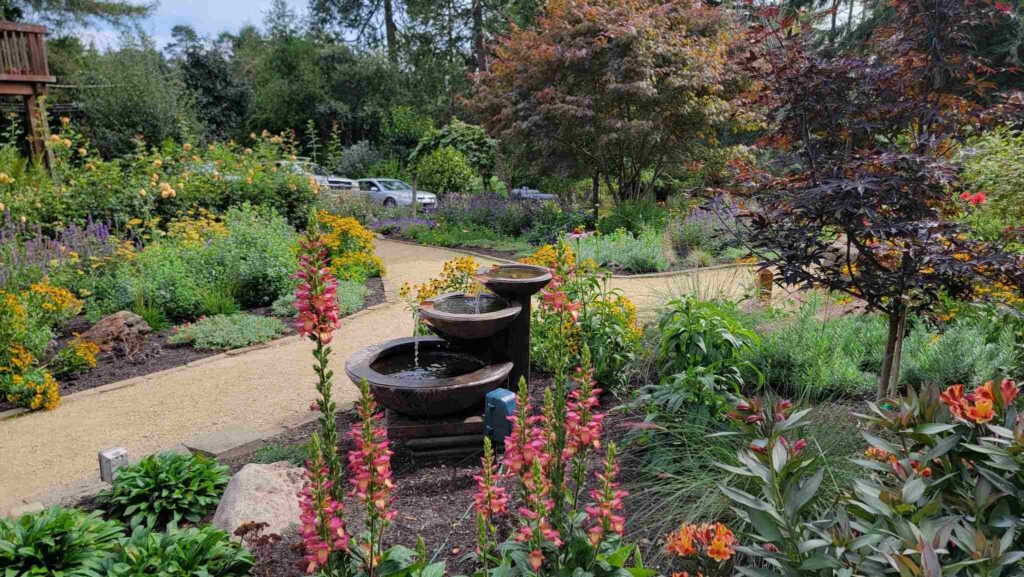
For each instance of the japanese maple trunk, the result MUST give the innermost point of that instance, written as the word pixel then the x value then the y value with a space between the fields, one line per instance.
pixel 888 379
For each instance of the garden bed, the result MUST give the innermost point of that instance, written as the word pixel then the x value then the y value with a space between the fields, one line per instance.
pixel 156 353
pixel 433 499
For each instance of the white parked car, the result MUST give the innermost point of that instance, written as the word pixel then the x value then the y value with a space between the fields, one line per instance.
pixel 393 192
pixel 319 174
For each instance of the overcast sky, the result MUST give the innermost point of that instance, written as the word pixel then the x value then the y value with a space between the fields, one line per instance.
pixel 208 17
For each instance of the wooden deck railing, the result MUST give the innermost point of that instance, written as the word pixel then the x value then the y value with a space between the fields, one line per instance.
pixel 23 53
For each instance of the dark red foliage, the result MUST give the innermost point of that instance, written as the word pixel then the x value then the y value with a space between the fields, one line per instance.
pixel 862 196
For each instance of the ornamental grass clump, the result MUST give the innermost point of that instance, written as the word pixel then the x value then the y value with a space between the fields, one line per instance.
pixel 330 547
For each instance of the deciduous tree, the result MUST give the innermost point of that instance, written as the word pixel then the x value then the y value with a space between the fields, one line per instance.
pixel 864 196
pixel 626 88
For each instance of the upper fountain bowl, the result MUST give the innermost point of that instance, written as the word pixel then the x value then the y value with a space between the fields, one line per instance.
pixel 515 281
pixel 463 316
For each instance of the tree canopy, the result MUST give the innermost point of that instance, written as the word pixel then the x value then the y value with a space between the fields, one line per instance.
pixel 61 14
pixel 624 88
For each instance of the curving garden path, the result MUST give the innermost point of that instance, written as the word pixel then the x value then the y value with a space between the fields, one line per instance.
pixel 51 456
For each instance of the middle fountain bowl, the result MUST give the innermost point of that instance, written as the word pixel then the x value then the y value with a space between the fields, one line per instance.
pixel 440 382
pixel 465 316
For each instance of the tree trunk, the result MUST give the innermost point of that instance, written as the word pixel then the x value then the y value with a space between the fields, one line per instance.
pixel 887 361
pixel 478 35
pixel 391 31
pixel 832 28
pixel 596 191
pixel 897 355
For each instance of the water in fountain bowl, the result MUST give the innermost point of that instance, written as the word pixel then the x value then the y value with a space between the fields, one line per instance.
pixel 433 364
pixel 469 305
pixel 514 272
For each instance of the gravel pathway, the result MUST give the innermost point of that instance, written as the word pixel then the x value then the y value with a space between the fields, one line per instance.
pixel 51 456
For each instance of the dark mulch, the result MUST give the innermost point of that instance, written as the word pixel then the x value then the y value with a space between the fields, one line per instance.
pixel 154 354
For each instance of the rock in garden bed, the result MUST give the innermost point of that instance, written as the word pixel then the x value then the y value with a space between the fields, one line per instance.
pixel 264 494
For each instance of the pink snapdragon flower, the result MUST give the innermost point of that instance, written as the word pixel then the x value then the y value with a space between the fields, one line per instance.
pixel 605 514
pixel 583 425
pixel 316 297
pixel 370 463
pixel 321 524
pixel 490 499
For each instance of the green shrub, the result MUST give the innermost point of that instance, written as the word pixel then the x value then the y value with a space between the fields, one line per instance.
pixel 191 552
pixel 227 332
pixel 165 276
pixel 698 258
pixel 219 300
pixel 444 170
pixel 149 101
pixel 58 542
pixel 812 357
pixel 162 181
pixel 699 356
pixel 637 254
pixel 993 162
pixel 257 254
pixel 355 160
pixel 962 353
pixel 465 236
pixel 551 223
pixel 165 489
pixel 634 216
pixel 180 277
pixel 351 297
pixel 607 325
pixel 390 168
pixel 469 140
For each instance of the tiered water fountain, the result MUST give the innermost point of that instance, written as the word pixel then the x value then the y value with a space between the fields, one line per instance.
pixel 433 387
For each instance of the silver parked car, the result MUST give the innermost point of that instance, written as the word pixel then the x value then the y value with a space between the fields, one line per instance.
pixel 393 192
pixel 323 178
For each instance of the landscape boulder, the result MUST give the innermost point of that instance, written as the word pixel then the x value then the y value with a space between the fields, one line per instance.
pixel 123 326
pixel 263 494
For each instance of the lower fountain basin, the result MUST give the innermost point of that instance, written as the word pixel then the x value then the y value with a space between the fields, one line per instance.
pixel 445 382
pixel 515 281
pixel 465 316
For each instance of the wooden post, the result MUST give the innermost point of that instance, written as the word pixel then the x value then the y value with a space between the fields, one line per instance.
pixel 24 72
pixel 765 284
pixel 39 129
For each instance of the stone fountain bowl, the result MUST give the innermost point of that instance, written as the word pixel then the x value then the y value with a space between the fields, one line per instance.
pixel 515 281
pixel 460 382
pixel 454 315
